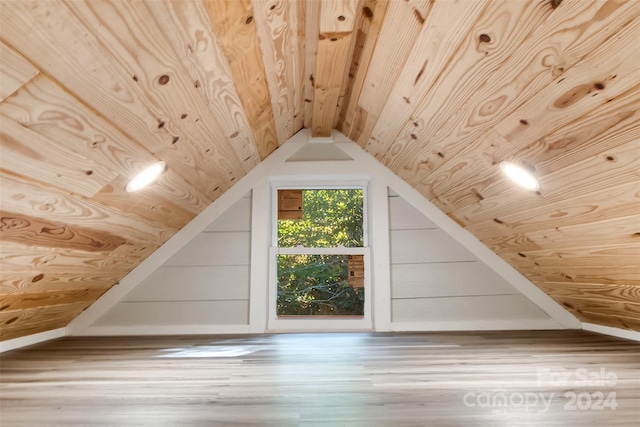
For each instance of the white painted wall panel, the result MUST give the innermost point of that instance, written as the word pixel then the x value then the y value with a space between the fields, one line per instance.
pixel 403 216
pixel 427 245
pixel 194 283
pixel 177 313
pixel 237 218
pixel 469 309
pixel 214 248
pixel 206 283
pixel 436 283
pixel 446 279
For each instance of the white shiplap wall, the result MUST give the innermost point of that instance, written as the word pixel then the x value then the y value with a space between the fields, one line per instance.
pixel 437 284
pixel 206 283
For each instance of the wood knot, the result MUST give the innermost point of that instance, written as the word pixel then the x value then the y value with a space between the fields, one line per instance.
pixel 499 221
pixel 37 278
pixel 555 3
pixel 163 80
pixel 484 38
pixel 524 122
pixel 610 158
pixel 341 18
pixel 367 12
pixel 522 255
pixel 249 20
pixel 598 86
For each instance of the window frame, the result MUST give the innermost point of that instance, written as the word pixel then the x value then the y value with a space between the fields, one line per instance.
pixel 318 323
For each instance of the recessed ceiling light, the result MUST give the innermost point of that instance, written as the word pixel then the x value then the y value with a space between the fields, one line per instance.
pixel 520 176
pixel 146 176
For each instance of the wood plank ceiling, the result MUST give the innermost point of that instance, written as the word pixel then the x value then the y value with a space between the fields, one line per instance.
pixel 440 91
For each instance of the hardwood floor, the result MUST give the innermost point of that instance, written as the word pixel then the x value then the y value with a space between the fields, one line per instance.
pixel 551 378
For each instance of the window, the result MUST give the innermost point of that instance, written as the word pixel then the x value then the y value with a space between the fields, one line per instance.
pixel 320 237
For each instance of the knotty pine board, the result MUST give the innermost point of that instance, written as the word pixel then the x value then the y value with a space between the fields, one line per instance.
pixel 61 120
pixel 499 31
pixel 187 27
pixel 337 23
pixel 15 71
pixel 24 198
pixel 613 274
pixel 618 308
pixel 104 75
pixel 299 60
pixel 27 154
pixel 606 319
pixel 591 291
pixel 589 256
pixel 275 27
pixel 38 232
pixel 399 31
pixel 594 133
pixel 151 203
pixel 21 282
pixel 31 300
pixel 432 52
pixel 237 37
pixel 608 232
pixel 372 16
pixel 551 51
pixel 613 202
pixel 596 174
pixel 40 319
pixel 28 268
pixel 312 29
pixel 163 78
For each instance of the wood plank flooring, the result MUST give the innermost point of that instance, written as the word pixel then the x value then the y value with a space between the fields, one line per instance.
pixel 550 378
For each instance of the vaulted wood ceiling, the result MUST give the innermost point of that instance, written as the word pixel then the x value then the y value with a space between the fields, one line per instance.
pixel 440 91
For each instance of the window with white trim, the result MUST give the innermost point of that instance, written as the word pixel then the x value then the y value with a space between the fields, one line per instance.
pixel 320 235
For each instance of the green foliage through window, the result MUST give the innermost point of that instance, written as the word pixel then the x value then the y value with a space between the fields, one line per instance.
pixel 317 285
pixel 330 218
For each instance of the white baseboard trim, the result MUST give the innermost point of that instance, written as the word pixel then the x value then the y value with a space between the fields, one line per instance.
pixel 615 332
pixel 162 330
pixel 480 325
pixel 16 343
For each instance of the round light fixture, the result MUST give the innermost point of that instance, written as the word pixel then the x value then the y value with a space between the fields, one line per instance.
pixel 520 176
pixel 146 176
